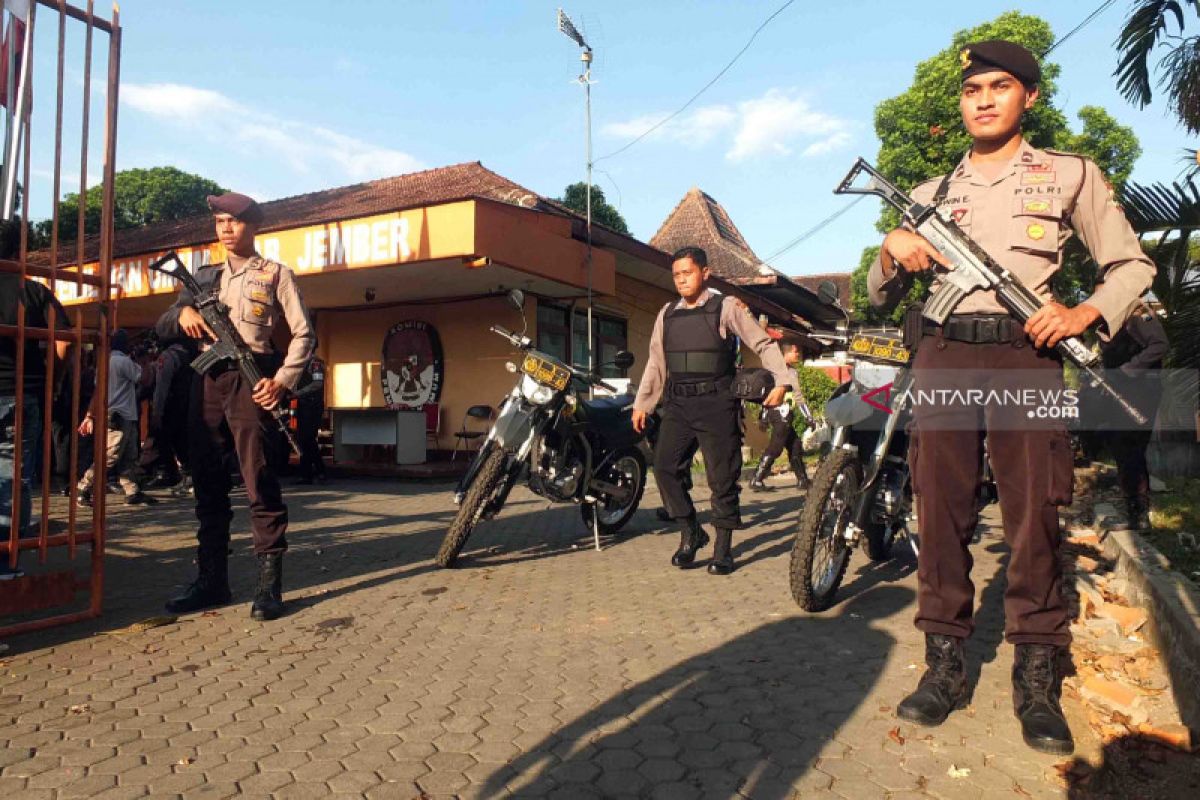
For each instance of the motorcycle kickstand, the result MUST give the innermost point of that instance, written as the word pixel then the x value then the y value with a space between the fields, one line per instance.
pixel 595 525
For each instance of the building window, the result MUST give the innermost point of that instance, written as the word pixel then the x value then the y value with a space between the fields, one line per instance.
pixel 553 331
pixel 554 335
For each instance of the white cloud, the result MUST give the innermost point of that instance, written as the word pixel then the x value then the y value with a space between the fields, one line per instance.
pixel 773 124
pixel 304 148
pixel 175 101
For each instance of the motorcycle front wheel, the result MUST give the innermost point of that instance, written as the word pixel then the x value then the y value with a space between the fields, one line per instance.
pixel 469 512
pixel 820 553
pixel 628 470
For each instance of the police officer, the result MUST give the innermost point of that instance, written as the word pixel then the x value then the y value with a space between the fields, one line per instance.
pixel 783 435
pixel 693 348
pixel 1132 359
pixel 1019 204
pixel 310 408
pixel 260 294
pixel 164 453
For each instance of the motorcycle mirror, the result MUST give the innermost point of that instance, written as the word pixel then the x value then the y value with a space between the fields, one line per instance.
pixel 624 360
pixel 516 299
pixel 827 293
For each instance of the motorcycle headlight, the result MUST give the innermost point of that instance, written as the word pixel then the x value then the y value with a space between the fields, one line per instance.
pixel 535 392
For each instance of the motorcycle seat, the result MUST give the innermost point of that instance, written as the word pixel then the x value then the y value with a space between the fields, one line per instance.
pixel 607 409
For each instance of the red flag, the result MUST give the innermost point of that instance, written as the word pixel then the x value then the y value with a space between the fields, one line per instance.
pixel 14 43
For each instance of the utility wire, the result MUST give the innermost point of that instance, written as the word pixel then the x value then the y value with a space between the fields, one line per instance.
pixel 813 230
pixel 707 86
pixel 1099 10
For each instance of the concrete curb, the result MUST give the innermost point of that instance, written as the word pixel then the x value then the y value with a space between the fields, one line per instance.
pixel 1170 599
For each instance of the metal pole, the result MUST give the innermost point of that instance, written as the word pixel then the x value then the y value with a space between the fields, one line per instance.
pixel 587 90
pixel 17 120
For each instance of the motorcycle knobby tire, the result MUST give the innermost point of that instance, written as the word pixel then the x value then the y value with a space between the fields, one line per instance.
pixel 804 548
pixel 472 506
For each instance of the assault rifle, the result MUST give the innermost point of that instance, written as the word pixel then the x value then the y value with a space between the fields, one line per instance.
pixel 973 269
pixel 228 344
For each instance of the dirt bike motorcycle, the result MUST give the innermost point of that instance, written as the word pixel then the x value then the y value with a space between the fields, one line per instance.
pixel 861 493
pixel 566 448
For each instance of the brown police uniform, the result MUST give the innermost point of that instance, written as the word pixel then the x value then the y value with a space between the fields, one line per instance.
pixel 1022 217
pixel 259 293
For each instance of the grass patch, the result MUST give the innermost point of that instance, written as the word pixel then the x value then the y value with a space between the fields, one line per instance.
pixel 1175 512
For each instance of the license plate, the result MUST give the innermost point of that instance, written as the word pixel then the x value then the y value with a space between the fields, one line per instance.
pixel 546 372
pixel 880 348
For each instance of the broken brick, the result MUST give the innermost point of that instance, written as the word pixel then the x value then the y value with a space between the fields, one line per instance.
pixel 1130 619
pixel 1110 694
pixel 1176 736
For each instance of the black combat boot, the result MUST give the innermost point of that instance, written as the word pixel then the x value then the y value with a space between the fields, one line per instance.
pixel 943 687
pixel 722 560
pixel 268 599
pixel 1138 509
pixel 691 538
pixel 211 587
pixel 760 475
pixel 802 481
pixel 1037 687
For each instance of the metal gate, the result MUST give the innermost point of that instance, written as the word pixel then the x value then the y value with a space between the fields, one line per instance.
pixel 57 556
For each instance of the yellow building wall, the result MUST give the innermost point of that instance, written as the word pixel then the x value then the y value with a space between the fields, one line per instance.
pixel 351 344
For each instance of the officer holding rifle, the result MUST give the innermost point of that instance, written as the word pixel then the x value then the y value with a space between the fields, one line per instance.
pixel 1020 204
pixel 260 294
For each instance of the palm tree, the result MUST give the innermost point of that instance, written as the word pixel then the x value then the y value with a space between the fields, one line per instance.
pixel 1151 23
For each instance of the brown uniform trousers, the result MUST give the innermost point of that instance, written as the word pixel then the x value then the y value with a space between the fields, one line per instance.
pixel 222 407
pixel 1033 469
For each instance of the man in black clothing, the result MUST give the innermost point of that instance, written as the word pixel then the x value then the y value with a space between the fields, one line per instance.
pixel 693 350
pixel 783 435
pixel 164 453
pixel 40 305
pixel 1133 358
pixel 310 409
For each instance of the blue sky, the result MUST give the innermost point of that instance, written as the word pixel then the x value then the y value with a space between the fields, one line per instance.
pixel 278 98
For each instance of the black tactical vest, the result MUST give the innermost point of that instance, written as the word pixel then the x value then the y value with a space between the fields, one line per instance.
pixel 693 344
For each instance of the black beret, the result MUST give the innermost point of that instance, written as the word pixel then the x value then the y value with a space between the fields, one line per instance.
pixel 997 54
pixel 237 205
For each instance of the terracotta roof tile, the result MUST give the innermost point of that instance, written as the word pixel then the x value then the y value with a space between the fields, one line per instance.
pixel 701 221
pixel 417 189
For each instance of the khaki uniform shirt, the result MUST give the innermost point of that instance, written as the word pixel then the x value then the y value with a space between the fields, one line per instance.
pixel 735 320
pixel 1023 217
pixel 258 293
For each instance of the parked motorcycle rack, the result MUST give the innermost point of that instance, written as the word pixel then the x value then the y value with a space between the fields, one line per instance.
pixel 55 583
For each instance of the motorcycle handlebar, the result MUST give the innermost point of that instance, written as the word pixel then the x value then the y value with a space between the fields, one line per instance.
pixel 519 341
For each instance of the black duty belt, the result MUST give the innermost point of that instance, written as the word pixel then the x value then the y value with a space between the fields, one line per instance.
pixel 978 329
pixel 696 388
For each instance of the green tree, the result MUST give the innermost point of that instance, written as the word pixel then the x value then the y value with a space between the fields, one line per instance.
pixel 1113 146
pixel 140 197
pixel 1152 23
pixel 921 134
pixel 575 198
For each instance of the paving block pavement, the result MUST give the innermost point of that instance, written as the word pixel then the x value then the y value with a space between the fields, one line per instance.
pixel 538 668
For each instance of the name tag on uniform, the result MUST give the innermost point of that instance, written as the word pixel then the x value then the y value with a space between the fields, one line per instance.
pixel 261 295
pixel 1038 206
pixel 1036 178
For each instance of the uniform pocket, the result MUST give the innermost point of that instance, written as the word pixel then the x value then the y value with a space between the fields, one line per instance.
pixel 257 313
pixel 1034 234
pixel 1062 469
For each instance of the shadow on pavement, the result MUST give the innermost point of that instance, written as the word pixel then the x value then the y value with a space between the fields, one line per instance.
pixel 751 716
